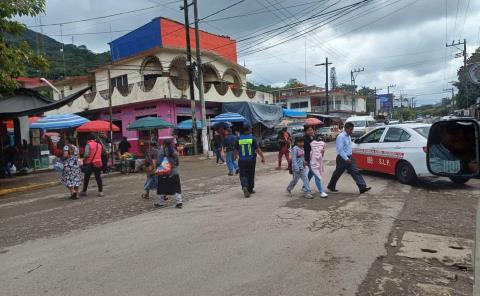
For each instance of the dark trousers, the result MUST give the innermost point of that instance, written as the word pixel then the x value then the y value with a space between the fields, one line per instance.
pixel 105 163
pixel 342 165
pixel 283 151
pixel 247 173
pixel 218 154
pixel 97 172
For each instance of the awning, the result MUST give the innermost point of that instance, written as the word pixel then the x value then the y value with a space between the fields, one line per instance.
pixel 29 102
pixel 294 113
pixel 268 115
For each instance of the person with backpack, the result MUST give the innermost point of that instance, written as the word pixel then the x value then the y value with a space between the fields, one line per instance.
pixel 284 142
pixel 299 168
pixel 316 163
pixel 92 163
pixel 168 182
pixel 229 144
pixel 246 150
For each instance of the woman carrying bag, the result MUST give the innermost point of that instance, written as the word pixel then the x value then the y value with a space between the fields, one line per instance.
pixel 92 163
pixel 166 165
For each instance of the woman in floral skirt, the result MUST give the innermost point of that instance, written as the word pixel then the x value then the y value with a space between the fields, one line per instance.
pixel 71 174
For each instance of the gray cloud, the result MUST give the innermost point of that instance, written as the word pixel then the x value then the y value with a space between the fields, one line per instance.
pixel 404 47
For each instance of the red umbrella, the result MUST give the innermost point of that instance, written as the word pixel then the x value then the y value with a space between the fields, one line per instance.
pixel 97 126
pixel 313 121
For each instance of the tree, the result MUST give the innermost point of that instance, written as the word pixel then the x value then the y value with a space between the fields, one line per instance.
pixel 347 87
pixel 467 91
pixel 370 94
pixel 293 82
pixel 16 58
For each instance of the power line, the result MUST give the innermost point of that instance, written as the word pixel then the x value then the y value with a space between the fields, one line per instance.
pixel 100 17
pixel 222 10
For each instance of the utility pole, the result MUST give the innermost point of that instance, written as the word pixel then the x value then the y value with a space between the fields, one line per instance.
pixel 464 54
pixel 63 53
pixel 354 74
pixel 190 77
pixel 200 81
pixel 326 79
pixel 110 112
pixel 451 90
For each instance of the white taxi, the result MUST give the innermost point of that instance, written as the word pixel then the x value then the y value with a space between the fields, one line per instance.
pixel 398 150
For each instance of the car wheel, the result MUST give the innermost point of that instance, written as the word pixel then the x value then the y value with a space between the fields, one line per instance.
pixel 459 180
pixel 405 173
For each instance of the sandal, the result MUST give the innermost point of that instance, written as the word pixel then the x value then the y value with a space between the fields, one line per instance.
pixel 145 195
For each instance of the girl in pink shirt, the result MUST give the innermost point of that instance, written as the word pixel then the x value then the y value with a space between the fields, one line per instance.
pixel 316 163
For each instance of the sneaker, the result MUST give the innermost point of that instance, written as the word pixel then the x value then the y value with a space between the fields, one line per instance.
pixel 100 194
pixel 289 192
pixel 145 195
pixel 304 190
pixel 323 194
pixel 74 196
pixel 252 191
pixel 237 172
pixel 308 195
pixel 230 174
pixel 83 193
pixel 179 205
pixel 158 206
pixel 245 192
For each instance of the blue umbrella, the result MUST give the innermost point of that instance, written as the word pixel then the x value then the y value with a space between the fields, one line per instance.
pixel 187 124
pixel 59 121
pixel 228 117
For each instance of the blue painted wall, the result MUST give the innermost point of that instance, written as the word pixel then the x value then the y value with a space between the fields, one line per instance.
pixel 146 37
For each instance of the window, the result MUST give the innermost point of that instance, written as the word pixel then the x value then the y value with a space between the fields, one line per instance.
pixel 374 136
pixel 119 81
pixel 423 131
pixel 396 135
pixel 298 105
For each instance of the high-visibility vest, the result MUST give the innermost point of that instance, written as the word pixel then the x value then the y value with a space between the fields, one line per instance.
pixel 246 150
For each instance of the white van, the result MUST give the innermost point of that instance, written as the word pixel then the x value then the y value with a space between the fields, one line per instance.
pixel 361 125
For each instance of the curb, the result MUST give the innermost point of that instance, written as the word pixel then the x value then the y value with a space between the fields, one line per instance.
pixel 35 186
pixel 4 192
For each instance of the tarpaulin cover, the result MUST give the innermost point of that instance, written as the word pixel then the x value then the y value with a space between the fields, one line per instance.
pixel 294 113
pixel 268 115
pixel 29 102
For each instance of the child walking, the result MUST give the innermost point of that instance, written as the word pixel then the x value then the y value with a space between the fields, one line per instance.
pixel 298 168
pixel 316 162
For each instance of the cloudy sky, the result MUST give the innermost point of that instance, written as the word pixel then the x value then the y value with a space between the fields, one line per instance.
pixel 398 42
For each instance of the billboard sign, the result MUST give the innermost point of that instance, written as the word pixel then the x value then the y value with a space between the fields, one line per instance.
pixel 385 103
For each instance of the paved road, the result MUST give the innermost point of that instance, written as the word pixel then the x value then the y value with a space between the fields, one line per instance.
pixel 223 244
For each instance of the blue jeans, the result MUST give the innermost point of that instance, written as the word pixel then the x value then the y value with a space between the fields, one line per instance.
pixel 318 182
pixel 231 163
pixel 297 175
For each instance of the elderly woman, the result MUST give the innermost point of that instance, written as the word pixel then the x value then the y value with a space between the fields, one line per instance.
pixel 71 174
pixel 168 184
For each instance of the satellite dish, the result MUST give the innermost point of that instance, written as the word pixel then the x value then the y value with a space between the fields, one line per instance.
pixel 474 73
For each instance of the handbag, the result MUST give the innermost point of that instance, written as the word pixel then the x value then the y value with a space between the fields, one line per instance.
pixel 87 167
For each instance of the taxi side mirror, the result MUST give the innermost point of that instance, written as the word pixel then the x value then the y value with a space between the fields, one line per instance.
pixel 453 148
pixel 357 141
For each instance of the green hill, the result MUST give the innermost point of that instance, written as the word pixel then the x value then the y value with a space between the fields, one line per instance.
pixel 78 59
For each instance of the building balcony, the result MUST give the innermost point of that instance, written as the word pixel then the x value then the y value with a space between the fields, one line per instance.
pixel 161 88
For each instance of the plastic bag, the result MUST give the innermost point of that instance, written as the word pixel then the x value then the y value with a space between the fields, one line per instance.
pixel 165 167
